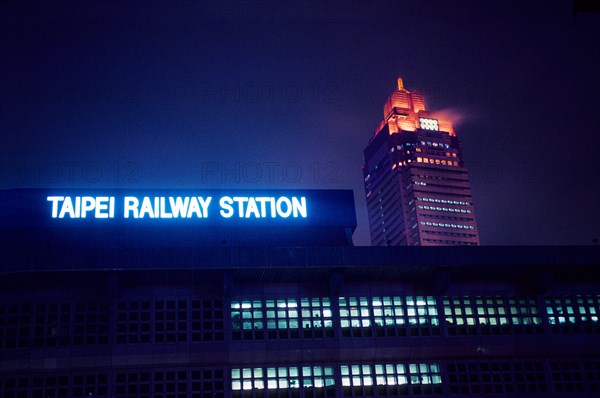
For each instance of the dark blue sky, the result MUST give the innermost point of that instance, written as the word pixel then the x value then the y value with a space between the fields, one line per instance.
pixel 235 94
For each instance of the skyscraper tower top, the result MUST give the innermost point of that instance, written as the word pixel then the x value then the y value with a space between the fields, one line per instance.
pixel 416 183
pixel 405 110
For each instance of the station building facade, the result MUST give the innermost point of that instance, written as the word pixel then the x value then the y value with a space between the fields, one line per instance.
pixel 301 322
pixel 327 319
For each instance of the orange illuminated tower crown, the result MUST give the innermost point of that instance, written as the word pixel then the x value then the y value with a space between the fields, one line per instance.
pixel 403 110
pixel 416 183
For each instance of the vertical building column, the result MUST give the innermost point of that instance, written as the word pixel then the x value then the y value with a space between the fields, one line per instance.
pixel 112 291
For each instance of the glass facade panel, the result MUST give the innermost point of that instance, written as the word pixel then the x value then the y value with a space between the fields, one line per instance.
pixel 282 314
pixel 389 315
pixel 573 313
pixel 491 315
pixel 282 378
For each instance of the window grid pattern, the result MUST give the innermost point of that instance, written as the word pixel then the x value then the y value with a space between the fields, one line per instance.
pixel 14 387
pixel 188 383
pixel 391 379
pixel 355 316
pixel 178 383
pixel 571 377
pixel 573 314
pixel 491 315
pixel 575 377
pixel 317 317
pixel 52 324
pixel 171 384
pixel 496 378
pixel 281 318
pixel 171 321
pixel 15 326
pixel 43 387
pixel 286 380
pixel 90 324
pixel 90 385
pixel 55 324
pixel 134 322
pixel 207 383
pixel 133 385
pixel 318 379
pixel 207 320
pixel 389 316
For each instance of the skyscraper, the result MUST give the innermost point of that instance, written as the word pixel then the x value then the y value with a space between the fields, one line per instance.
pixel 416 183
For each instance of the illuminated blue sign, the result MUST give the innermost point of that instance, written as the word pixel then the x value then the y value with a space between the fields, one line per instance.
pixel 168 207
pixel 66 208
pixel 176 218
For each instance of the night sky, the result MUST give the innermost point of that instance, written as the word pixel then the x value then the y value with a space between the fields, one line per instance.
pixel 278 94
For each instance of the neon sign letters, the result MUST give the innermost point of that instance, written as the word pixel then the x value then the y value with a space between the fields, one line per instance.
pixel 173 207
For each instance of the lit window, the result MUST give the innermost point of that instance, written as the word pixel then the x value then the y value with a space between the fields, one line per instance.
pixel 354 312
pixel 413 374
pixel 281 378
pixel 246 379
pixel 281 314
pixel 573 310
pixel 429 124
pixel 492 311
pixel 317 376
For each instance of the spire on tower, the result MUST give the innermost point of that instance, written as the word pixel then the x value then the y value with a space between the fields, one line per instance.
pixel 400 83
